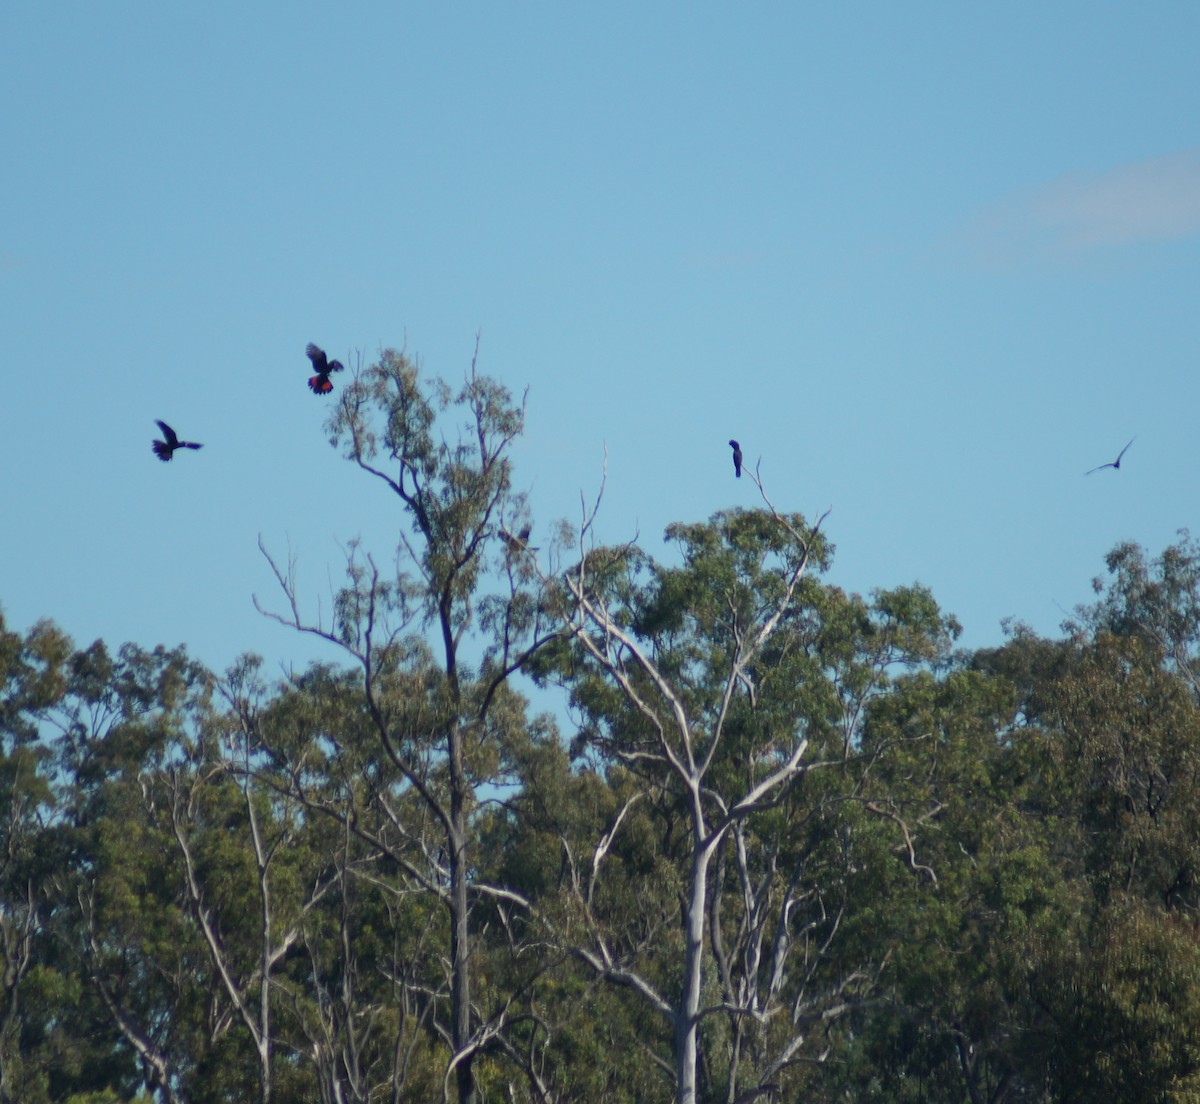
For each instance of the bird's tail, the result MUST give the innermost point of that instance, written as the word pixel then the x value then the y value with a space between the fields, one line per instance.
pixel 320 385
pixel 161 450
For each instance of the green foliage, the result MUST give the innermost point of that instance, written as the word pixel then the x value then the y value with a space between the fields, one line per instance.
pixel 964 877
pixel 723 700
pixel 1125 1002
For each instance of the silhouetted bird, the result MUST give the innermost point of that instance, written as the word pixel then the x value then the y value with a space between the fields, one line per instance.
pixel 737 458
pixel 520 542
pixel 1116 463
pixel 165 448
pixel 320 382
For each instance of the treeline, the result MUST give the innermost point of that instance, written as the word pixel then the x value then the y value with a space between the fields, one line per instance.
pixel 791 845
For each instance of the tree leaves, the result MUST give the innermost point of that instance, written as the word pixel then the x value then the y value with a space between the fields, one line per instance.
pixel 790 842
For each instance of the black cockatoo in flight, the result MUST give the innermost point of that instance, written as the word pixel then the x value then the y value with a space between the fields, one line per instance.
pixel 320 382
pixel 518 543
pixel 165 448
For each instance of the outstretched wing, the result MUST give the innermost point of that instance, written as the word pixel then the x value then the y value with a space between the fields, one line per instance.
pixel 317 356
pixel 1116 463
pixel 168 433
pixel 518 543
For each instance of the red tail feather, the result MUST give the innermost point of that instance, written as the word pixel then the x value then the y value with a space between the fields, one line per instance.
pixel 320 385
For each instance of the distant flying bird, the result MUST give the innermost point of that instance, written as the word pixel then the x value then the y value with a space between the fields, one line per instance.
pixel 320 382
pixel 165 448
pixel 1116 463
pixel 737 458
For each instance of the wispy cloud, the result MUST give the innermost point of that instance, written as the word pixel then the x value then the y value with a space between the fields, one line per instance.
pixel 1145 201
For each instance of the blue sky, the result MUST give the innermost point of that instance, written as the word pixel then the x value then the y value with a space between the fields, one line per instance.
pixel 927 262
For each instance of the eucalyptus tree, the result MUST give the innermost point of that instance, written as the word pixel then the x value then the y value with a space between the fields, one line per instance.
pixel 958 1017
pixel 436 641
pixel 32 683
pixel 1054 958
pixel 1122 740
pixel 713 695
pixel 366 975
pixel 164 896
pixel 102 986
pixel 119 928
pixel 1154 598
pixel 167 905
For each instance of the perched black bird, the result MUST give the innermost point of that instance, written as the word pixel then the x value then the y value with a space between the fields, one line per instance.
pixel 737 458
pixel 165 448
pixel 1116 463
pixel 320 382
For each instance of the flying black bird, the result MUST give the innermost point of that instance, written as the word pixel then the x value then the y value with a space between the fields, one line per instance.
pixel 320 382
pixel 737 458
pixel 520 542
pixel 1116 463
pixel 165 448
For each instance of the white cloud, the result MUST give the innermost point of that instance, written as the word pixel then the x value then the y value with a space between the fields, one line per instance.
pixel 1146 201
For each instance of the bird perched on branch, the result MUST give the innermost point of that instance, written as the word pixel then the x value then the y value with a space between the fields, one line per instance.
pixel 320 382
pixel 737 458
pixel 165 448
pixel 1116 464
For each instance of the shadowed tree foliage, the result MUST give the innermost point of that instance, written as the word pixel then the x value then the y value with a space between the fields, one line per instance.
pixel 1054 959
